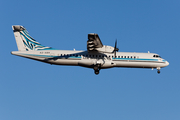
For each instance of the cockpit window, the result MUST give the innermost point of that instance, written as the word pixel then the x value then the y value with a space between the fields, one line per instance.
pixel 156 56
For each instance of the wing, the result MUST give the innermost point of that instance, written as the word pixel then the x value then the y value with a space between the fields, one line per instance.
pixel 93 42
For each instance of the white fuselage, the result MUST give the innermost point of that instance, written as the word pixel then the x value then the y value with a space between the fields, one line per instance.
pixel 97 56
pixel 89 59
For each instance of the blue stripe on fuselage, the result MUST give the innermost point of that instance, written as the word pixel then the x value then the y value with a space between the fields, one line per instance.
pixel 140 59
pixel 51 56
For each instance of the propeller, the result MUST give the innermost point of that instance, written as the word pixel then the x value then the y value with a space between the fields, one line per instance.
pixel 115 49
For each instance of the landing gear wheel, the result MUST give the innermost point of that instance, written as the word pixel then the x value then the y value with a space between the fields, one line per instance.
pixel 158 70
pixel 96 72
pixel 96 69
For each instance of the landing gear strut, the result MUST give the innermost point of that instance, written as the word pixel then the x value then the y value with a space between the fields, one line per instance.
pixel 97 69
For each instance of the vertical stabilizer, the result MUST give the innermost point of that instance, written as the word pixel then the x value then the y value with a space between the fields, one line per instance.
pixel 25 42
pixel 19 41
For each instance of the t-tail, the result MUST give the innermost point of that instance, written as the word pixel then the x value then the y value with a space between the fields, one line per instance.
pixel 25 42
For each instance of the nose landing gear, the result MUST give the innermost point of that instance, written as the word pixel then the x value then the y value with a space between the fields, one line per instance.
pixel 158 70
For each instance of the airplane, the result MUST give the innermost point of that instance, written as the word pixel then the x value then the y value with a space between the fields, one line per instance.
pixel 97 56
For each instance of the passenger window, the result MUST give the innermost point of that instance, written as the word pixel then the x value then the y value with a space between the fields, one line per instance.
pixel 124 56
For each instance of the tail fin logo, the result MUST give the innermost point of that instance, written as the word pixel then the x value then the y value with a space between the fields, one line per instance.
pixel 29 43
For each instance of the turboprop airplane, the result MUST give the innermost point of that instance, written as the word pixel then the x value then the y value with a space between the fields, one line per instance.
pixel 97 56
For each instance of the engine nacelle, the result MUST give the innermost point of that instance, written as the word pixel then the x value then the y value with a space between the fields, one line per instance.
pixel 91 46
pixel 105 48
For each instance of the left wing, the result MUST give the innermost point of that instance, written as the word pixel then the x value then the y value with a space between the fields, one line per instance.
pixel 93 42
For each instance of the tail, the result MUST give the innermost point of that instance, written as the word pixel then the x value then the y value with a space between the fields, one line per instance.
pixel 25 42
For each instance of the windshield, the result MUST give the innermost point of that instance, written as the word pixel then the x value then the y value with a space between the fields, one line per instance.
pixel 156 56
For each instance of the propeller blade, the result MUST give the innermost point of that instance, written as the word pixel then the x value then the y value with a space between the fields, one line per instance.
pixel 115 49
pixel 115 54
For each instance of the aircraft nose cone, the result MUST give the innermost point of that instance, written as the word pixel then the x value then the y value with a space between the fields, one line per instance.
pixel 167 63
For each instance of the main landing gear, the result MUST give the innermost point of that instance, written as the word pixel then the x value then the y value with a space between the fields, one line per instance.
pixel 97 69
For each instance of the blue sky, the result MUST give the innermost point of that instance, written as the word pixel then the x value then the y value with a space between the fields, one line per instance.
pixel 31 90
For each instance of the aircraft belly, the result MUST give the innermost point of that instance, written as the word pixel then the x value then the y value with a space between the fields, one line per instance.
pixel 86 63
pixel 30 57
pixel 139 64
pixel 50 60
pixel 65 62
pixel 108 64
